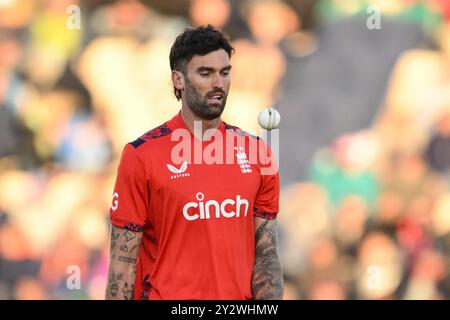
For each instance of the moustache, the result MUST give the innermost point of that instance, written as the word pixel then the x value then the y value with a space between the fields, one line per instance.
pixel 211 93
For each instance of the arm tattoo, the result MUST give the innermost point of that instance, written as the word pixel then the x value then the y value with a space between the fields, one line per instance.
pixel 114 237
pixel 113 284
pixel 267 282
pixel 128 292
pixel 129 235
pixel 127 260
pixel 124 248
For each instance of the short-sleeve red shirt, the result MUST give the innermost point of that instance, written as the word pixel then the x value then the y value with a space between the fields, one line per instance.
pixel 196 218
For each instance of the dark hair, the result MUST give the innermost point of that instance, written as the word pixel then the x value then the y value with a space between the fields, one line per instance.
pixel 199 41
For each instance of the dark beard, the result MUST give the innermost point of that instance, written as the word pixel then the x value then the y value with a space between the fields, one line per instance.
pixel 199 105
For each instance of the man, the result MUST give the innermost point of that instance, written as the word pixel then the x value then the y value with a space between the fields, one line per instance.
pixel 190 230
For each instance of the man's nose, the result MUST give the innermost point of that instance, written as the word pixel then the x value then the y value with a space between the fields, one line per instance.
pixel 218 82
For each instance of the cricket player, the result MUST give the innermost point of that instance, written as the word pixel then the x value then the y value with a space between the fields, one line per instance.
pixel 186 226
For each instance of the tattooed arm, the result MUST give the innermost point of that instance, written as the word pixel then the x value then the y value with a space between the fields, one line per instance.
pixel 267 282
pixel 122 267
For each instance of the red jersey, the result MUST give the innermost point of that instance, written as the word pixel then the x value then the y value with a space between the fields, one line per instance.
pixel 196 218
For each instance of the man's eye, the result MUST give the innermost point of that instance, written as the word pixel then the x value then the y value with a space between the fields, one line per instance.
pixel 204 73
pixel 226 73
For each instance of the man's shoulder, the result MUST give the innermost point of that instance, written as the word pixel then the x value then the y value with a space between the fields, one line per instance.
pixel 154 134
pixel 238 131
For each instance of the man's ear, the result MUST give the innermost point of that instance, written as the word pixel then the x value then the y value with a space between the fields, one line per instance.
pixel 178 80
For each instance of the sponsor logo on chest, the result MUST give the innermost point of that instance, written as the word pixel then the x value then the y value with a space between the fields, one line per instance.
pixel 228 208
pixel 178 172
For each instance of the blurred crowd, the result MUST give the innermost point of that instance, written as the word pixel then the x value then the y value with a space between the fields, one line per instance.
pixel 79 79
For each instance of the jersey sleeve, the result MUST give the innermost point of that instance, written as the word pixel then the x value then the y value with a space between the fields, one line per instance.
pixel 130 197
pixel 267 199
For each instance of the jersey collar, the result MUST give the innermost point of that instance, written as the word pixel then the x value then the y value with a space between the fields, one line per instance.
pixel 177 122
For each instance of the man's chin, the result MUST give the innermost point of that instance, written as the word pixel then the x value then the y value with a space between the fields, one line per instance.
pixel 215 111
pixel 210 116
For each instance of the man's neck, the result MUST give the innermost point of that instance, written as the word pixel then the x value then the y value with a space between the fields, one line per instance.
pixel 189 118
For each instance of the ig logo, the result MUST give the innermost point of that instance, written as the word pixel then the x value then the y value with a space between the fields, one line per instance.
pixel 115 201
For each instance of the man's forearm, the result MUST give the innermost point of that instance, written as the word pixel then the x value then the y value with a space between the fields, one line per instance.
pixel 120 281
pixel 267 281
pixel 122 268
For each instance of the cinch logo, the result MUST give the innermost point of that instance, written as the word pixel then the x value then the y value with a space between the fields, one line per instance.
pixel 178 172
pixel 228 208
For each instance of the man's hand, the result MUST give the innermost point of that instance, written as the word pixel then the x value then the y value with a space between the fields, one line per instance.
pixel 267 282
pixel 124 251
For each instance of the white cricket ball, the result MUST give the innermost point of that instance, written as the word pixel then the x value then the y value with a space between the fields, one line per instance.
pixel 269 118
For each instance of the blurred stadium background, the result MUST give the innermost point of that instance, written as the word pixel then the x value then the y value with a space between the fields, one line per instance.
pixel 365 134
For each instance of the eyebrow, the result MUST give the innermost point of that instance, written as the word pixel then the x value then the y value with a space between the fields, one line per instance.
pixel 209 69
